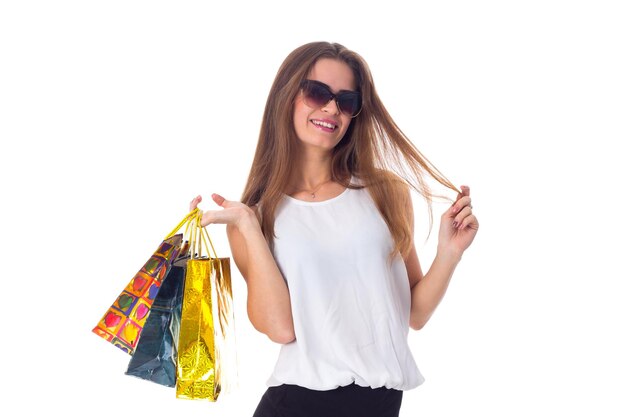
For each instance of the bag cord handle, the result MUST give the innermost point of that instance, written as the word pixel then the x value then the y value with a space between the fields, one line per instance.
pixel 197 234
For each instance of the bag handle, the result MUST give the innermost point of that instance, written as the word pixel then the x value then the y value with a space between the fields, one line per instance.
pixel 197 234
pixel 202 238
pixel 188 218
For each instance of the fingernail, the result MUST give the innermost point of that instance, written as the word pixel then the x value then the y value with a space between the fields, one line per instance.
pixel 454 223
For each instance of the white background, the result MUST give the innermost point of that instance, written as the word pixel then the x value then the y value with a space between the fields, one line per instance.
pixel 113 115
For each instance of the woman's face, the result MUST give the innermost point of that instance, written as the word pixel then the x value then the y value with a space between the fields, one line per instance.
pixel 323 127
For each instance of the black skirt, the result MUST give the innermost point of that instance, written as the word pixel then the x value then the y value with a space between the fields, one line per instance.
pixel 349 401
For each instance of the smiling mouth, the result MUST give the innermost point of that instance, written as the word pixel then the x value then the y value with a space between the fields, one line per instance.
pixel 324 125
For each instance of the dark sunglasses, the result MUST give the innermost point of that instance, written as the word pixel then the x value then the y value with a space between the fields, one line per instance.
pixel 317 94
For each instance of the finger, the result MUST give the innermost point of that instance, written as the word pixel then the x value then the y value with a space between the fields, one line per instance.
pixel 194 203
pixel 460 203
pixel 464 192
pixel 469 221
pixel 460 218
pixel 219 200
pixel 216 216
pixel 206 218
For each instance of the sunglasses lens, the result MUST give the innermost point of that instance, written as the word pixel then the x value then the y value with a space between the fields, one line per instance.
pixel 349 103
pixel 318 95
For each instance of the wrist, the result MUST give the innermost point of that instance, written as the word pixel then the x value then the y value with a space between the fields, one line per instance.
pixel 448 256
pixel 248 222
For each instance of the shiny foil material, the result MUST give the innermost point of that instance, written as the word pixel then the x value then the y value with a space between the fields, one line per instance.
pixel 154 358
pixel 123 322
pixel 206 328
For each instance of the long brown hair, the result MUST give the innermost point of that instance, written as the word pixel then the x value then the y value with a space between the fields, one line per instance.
pixel 373 149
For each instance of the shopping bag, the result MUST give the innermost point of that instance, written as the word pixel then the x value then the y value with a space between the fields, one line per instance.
pixel 123 322
pixel 154 358
pixel 206 362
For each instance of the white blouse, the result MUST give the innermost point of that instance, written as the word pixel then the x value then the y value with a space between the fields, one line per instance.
pixel 350 305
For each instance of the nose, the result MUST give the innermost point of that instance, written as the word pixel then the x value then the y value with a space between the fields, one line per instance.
pixel 331 107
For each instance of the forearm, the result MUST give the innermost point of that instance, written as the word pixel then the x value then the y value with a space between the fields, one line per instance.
pixel 269 304
pixel 429 291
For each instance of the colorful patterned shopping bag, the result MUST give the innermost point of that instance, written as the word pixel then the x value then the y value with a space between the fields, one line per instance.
pixel 124 320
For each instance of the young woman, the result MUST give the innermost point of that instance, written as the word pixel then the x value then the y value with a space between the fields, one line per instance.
pixel 323 236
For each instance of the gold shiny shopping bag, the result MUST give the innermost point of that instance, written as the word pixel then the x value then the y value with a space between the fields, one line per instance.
pixel 205 344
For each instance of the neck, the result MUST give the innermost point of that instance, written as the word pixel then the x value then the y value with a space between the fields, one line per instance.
pixel 315 170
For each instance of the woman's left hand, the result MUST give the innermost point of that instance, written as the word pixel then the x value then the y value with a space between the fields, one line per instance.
pixel 458 225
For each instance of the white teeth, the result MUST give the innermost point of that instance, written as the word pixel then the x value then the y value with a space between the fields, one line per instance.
pixel 323 124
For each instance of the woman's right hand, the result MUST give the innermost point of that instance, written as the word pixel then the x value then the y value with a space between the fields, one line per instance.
pixel 232 213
